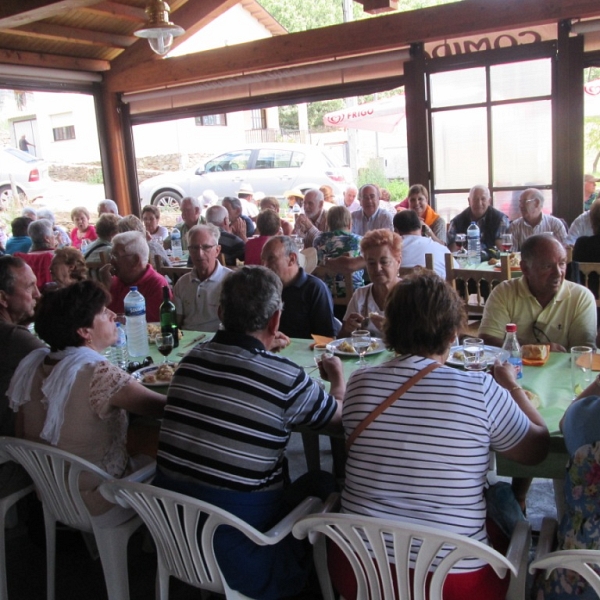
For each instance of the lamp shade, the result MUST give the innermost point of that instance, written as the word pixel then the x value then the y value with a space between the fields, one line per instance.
pixel 158 30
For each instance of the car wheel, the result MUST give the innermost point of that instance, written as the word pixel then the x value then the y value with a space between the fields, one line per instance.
pixel 167 199
pixel 6 197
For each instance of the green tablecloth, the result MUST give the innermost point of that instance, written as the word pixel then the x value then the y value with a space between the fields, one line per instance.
pixel 552 383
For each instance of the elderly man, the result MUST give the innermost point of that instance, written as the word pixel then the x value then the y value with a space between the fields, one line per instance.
pixel 349 199
pixel 232 246
pixel 491 222
pixel 308 303
pixel 108 206
pixel 241 225
pixel 370 216
pixel 230 410
pixel 39 257
pixel 246 197
pixel 196 294
pixel 191 215
pixel 589 191
pixel 580 227
pixel 534 221
pixel 18 297
pixel 129 262
pixel 415 246
pixel 314 220
pixel 546 308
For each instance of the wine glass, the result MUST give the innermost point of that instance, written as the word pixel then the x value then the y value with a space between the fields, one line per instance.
pixel 164 343
pixel 460 240
pixel 361 339
pixel 320 351
pixel 506 242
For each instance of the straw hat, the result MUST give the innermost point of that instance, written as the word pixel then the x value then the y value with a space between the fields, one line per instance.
pixel 294 192
pixel 246 188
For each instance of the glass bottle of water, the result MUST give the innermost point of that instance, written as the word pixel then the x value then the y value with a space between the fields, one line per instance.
pixel 474 244
pixel 137 332
pixel 512 346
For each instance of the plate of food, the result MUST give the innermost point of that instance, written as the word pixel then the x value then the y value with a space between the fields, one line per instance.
pixel 456 357
pixel 156 375
pixel 343 347
pixel 514 260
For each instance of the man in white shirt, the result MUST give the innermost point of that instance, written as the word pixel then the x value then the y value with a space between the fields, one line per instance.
pixel 415 246
pixel 349 200
pixel 534 221
pixel 196 294
pixel 370 216
pixel 580 227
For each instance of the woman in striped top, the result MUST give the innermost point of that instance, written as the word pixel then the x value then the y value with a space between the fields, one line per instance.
pixel 425 458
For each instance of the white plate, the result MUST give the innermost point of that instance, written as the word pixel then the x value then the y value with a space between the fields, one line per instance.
pixel 491 352
pixel 141 373
pixel 333 347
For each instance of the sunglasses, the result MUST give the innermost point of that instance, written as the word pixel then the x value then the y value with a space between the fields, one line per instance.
pixel 135 365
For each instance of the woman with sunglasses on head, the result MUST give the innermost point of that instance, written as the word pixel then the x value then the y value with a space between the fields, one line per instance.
pixel 70 396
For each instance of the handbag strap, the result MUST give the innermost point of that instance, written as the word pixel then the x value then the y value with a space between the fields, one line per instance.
pixel 388 402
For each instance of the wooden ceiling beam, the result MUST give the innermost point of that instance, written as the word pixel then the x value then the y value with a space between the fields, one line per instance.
pixel 375 7
pixel 50 31
pixel 121 11
pixel 192 16
pixel 53 61
pixel 15 14
pixel 344 40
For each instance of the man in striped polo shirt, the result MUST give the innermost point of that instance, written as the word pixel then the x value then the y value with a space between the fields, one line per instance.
pixel 230 410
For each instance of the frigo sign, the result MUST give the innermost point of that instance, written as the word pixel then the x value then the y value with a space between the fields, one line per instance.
pixel 495 41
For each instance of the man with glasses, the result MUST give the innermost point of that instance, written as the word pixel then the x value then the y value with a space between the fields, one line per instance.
pixel 534 221
pixel 370 216
pixel 546 308
pixel 191 214
pixel 129 266
pixel 196 294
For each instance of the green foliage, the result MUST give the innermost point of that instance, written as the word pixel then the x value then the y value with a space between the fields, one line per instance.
pixel 374 173
pixel 316 110
pixel 95 176
pixel 288 117
pixel 398 189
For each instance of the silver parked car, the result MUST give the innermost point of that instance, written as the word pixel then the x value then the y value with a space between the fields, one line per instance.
pixel 29 173
pixel 269 168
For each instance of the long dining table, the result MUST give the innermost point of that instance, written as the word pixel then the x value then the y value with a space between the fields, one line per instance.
pixel 551 383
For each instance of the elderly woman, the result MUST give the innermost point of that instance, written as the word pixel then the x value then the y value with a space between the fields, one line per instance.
pixel 338 241
pixel 271 203
pixel 132 223
pixel 82 230
pixel 435 226
pixel 382 251
pixel 60 233
pixel 268 224
pixel 41 252
pixel 106 228
pixel 424 459
pixel 67 267
pixel 151 217
pixel 70 396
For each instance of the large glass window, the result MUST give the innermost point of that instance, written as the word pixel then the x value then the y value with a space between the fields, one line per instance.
pixel 491 125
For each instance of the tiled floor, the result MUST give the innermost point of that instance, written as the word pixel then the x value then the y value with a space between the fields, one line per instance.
pixel 78 577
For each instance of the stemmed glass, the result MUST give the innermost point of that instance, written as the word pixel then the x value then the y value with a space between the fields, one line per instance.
pixel 361 339
pixel 506 242
pixel 461 255
pixel 164 343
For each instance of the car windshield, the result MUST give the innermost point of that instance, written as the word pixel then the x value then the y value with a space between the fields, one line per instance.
pixel 21 155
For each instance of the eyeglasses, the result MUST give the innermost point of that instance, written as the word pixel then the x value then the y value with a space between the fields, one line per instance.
pixel 205 248
pixel 540 334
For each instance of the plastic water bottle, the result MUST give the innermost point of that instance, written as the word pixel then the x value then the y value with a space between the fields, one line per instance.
pixel 120 356
pixel 176 249
pixel 474 244
pixel 137 332
pixel 512 346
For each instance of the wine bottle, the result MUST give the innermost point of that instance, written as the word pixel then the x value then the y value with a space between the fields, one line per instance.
pixel 168 321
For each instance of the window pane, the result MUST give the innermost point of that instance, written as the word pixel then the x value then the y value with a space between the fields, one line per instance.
pixel 273 159
pixel 449 205
pixel 521 79
pixel 522 144
pixel 232 161
pixel 460 148
pixel 508 202
pixel 457 87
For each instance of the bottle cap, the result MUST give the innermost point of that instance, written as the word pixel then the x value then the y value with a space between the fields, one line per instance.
pixel 511 328
pixel 133 288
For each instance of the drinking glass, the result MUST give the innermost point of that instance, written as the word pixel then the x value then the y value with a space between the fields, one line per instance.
pixel 506 242
pixel 460 240
pixel 581 368
pixel 164 343
pixel 474 354
pixel 361 339
pixel 320 350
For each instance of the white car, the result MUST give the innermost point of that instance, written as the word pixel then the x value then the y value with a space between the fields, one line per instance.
pixel 271 169
pixel 29 173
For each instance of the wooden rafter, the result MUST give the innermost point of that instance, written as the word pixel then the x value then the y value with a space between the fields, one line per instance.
pixel 34 59
pixel 339 41
pixel 15 14
pixel 122 11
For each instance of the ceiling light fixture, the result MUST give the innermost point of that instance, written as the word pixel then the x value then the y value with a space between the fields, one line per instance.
pixel 158 30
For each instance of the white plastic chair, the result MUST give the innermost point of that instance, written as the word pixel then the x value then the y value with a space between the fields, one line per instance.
pixel 5 504
pixel 580 561
pixel 363 541
pixel 173 520
pixel 55 474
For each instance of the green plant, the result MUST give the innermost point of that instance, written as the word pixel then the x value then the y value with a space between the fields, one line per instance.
pixel 95 176
pixel 374 173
